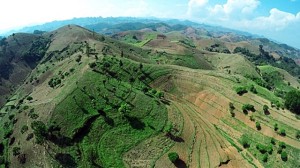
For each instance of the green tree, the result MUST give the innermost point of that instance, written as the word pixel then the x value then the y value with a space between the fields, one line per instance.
pixel 273 141
pixel 292 101
pixel 245 141
pixel 284 156
pixel 298 134
pixel 275 127
pixel 16 151
pixel 266 108
pixel 39 130
pixel 265 158
pixel 282 145
pixel 257 125
pixel 282 132
pixel 241 90
pixel 173 156
pixel 231 106
pixel 253 89
pixel 29 98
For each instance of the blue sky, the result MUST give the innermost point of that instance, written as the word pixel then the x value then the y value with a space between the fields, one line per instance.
pixel 275 19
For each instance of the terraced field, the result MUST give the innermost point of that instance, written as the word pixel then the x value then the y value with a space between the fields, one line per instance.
pixel 211 137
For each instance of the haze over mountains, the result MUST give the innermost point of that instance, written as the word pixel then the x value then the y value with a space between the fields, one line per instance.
pixel 135 92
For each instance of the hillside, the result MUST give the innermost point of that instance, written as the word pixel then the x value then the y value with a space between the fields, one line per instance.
pixel 132 98
pixel 19 54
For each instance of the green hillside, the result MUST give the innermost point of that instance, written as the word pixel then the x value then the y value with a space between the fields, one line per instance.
pixel 146 99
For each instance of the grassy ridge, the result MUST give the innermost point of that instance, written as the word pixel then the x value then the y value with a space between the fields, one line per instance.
pixel 101 93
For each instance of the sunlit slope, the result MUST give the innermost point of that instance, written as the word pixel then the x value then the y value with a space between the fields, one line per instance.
pixel 211 136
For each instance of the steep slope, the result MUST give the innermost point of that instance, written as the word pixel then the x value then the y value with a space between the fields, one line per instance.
pixel 19 54
pixel 56 112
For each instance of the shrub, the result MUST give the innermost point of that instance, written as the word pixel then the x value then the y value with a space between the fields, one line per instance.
pixel 279 150
pixel 24 129
pixel 231 106
pixel 29 98
pixel 159 94
pixel 22 158
pixel 29 137
pixel 298 134
pixel 275 127
pixel 284 156
pixel 247 107
pixel 39 130
pixel 257 125
pixel 173 156
pixel 264 149
pixel 265 158
pixel 16 151
pixel 92 65
pixel 273 141
pixel 266 108
pixel 282 132
pixel 282 145
pixel 245 141
pixel 10 117
pixel 241 90
pixel 253 89
pixel 252 118
pixel 232 114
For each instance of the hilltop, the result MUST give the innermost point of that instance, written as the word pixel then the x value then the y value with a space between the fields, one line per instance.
pixel 131 98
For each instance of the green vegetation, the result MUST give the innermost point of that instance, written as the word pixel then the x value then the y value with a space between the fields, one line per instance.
pixel 266 109
pixel 24 129
pixel 297 134
pixel 39 130
pixel 104 103
pixel 122 110
pixel 54 82
pixel 16 151
pixel 264 57
pixel 265 157
pixel 245 141
pixel 257 125
pixel 273 141
pixel 173 156
pixel 275 127
pixel 248 107
pixel 241 90
pixel 253 89
pixel 29 98
pixel 292 101
pixel 282 132
pixel 284 156
pixel 231 109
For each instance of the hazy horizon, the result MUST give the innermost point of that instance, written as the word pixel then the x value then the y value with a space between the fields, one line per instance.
pixel 277 20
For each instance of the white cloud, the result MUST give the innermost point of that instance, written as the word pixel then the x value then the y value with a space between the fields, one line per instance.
pixel 234 8
pixel 195 4
pixel 277 20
